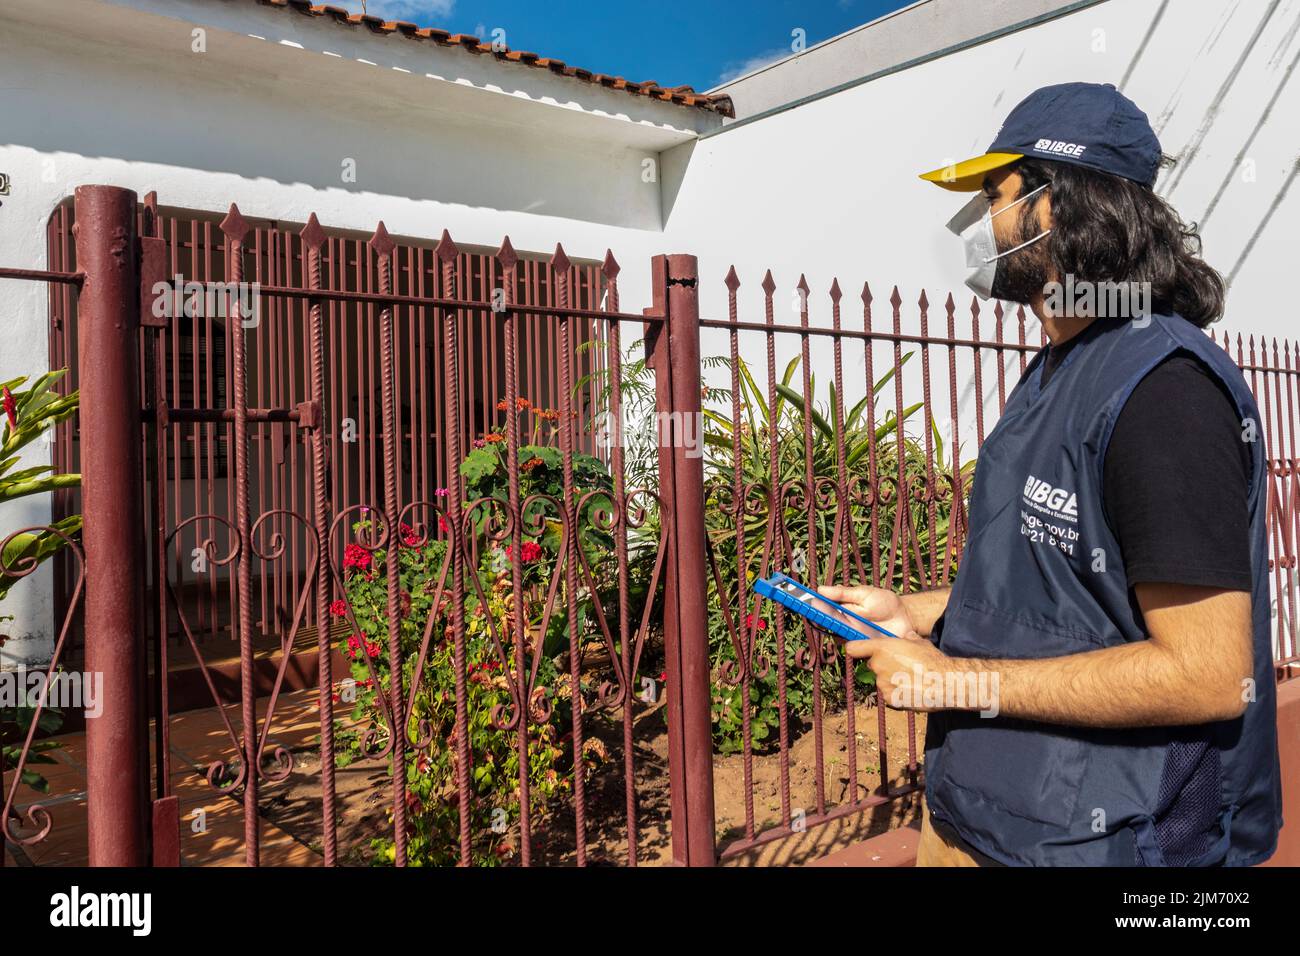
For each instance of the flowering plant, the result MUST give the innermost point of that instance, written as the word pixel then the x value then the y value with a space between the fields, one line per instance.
pixel 432 751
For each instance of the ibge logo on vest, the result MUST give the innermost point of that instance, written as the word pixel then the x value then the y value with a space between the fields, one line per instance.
pixel 1050 515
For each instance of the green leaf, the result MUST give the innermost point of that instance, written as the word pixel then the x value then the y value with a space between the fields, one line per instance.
pixel 479 464
pixel 795 399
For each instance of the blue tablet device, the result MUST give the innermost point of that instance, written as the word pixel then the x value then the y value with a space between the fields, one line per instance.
pixel 789 592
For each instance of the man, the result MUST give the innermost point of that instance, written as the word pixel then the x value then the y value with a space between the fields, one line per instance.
pixel 1113 589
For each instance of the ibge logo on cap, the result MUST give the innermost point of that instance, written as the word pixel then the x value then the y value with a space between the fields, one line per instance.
pixel 1059 147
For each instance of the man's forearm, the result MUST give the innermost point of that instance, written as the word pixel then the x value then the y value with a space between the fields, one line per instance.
pixel 1130 685
pixel 924 608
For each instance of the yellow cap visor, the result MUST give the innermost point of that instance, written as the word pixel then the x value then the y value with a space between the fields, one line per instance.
pixel 968 175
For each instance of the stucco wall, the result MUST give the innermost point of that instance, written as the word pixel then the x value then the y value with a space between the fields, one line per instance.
pixel 250 121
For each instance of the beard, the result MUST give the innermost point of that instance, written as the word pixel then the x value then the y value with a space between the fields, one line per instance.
pixel 1022 275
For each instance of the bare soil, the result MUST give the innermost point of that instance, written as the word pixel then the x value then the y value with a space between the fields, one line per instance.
pixel 364 795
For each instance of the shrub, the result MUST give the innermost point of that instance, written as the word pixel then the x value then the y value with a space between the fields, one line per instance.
pixel 431 769
pixel 791 548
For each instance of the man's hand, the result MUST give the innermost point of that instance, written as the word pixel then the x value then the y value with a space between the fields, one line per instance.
pixel 897 662
pixel 875 604
pixel 901 665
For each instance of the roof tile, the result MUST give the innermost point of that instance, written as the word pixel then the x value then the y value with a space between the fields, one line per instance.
pixel 683 95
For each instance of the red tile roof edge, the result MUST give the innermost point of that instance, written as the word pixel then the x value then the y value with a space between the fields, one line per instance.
pixel 681 95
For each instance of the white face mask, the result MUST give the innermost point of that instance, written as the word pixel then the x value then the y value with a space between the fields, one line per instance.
pixel 974 223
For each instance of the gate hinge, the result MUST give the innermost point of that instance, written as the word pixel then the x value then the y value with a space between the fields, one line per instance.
pixel 153 270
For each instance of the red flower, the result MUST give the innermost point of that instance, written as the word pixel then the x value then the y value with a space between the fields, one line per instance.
pixel 11 409
pixel 355 556
pixel 442 525
pixel 530 551
pixel 749 622
pixel 372 648
pixel 409 537
pixel 339 608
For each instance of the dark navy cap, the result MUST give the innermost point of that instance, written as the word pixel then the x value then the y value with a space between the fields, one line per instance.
pixel 1088 124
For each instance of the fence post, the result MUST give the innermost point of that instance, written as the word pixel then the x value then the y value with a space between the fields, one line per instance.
pixel 674 351
pixel 108 367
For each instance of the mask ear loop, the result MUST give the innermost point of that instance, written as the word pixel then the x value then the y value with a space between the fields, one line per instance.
pixel 1019 201
pixel 1019 247
pixel 1027 241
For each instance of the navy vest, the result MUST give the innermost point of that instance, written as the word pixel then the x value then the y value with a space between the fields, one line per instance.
pixel 1031 585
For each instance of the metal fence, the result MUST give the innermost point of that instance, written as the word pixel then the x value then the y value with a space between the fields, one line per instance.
pixel 584 601
pixel 196 376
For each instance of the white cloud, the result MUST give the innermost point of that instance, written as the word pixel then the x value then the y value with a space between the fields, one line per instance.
pixel 736 69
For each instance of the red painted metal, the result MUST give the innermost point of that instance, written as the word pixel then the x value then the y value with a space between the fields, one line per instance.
pixel 112 492
pixel 166 831
pixel 686 423
pixel 382 245
pixel 312 238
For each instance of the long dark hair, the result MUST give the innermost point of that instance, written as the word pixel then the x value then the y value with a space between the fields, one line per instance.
pixel 1109 229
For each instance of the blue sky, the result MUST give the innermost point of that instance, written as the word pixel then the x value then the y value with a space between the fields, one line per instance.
pixel 698 42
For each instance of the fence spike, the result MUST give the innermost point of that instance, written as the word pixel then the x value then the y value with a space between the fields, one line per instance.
pixel 381 241
pixel 312 234
pixel 446 249
pixel 923 301
pixel 732 280
pixel 559 261
pixel 895 299
pixel 836 294
pixel 802 286
pixel 610 266
pixel 949 305
pixel 769 284
pixel 866 294
pixel 235 226
pixel 506 255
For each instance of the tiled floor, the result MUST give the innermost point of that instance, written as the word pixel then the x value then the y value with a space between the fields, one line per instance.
pixel 212 824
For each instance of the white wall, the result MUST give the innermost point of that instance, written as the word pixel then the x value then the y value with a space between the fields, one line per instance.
pixel 830 188
pixel 93 93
